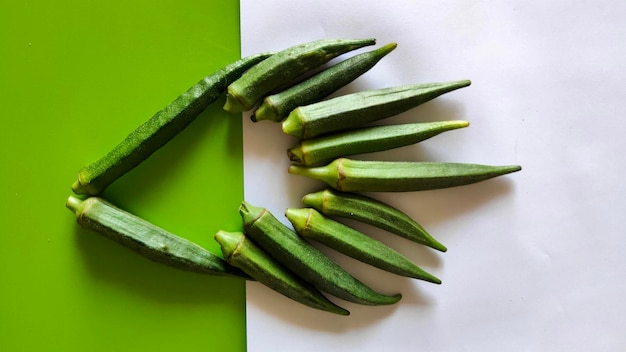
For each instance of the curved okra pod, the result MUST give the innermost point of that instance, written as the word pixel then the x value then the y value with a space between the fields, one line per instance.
pixel 310 224
pixel 370 211
pixel 159 129
pixel 147 239
pixel 399 176
pixel 283 67
pixel 242 253
pixel 357 109
pixel 276 107
pixel 325 148
pixel 305 260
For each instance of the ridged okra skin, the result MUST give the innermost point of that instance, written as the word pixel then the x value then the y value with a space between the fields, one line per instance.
pixel 357 109
pixel 283 67
pixel 305 260
pixel 310 224
pixel 244 254
pixel 319 150
pixel 277 106
pixel 160 128
pixel 399 176
pixel 370 211
pixel 147 239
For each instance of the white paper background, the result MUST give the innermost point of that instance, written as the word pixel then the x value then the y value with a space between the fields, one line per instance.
pixel 536 259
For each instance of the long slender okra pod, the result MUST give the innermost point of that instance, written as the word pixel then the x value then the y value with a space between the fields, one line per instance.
pixel 147 239
pixel 244 254
pixel 159 129
pixel 357 109
pixel 370 211
pixel 283 67
pixel 276 107
pixel 305 260
pixel 325 148
pixel 399 176
pixel 310 224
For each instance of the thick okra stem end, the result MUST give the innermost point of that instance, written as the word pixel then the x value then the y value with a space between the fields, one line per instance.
pixel 250 213
pixel 293 124
pixel 299 218
pixel 75 204
pixel 266 111
pixel 296 155
pixel 328 173
pixel 315 200
pixel 228 241
pixel 234 104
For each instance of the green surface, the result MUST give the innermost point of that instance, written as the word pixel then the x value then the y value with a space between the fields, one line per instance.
pixel 76 78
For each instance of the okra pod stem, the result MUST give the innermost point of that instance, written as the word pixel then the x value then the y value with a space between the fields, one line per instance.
pixel 283 67
pixel 276 107
pixel 370 211
pixel 325 148
pixel 357 109
pixel 308 262
pixel 310 224
pixel 147 239
pixel 159 129
pixel 244 254
pixel 399 176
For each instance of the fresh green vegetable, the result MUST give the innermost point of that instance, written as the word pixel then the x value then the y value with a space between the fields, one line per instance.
pixel 305 260
pixel 325 148
pixel 242 253
pixel 147 239
pixel 312 225
pixel 276 107
pixel 370 211
pixel 159 129
pixel 398 176
pixel 357 109
pixel 283 67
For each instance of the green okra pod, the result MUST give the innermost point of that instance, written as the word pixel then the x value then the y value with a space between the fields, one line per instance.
pixel 399 176
pixel 241 252
pixel 277 106
pixel 159 129
pixel 147 239
pixel 370 211
pixel 305 260
pixel 283 67
pixel 310 224
pixel 357 109
pixel 328 147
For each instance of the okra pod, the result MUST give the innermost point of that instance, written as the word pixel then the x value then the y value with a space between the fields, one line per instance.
pixel 398 176
pixel 276 107
pixel 357 109
pixel 159 129
pixel 312 225
pixel 305 260
pixel 325 148
pixel 370 211
pixel 147 239
pixel 241 252
pixel 283 67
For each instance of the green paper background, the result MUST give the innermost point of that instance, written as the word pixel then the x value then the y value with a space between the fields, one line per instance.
pixel 77 77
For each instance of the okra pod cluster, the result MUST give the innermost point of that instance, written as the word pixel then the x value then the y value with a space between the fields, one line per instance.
pixel 292 88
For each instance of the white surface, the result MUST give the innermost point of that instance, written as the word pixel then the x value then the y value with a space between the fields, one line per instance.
pixel 536 259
